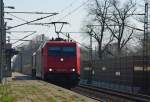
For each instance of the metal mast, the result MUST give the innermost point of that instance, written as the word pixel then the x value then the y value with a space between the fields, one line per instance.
pixel 2 39
pixel 145 49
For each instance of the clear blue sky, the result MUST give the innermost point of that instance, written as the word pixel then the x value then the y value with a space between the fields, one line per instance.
pixel 61 6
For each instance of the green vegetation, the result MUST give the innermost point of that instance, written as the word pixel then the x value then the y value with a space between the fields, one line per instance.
pixel 34 87
pixel 1 89
pixel 6 98
pixel 74 97
pixel 33 91
pixel 83 100
pixel 4 94
pixel 52 99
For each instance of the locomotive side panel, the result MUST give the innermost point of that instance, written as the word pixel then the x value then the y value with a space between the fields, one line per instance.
pixel 44 60
pixel 78 59
pixel 38 64
pixel 34 65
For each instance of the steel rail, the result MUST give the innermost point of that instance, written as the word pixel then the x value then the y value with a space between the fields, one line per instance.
pixel 129 96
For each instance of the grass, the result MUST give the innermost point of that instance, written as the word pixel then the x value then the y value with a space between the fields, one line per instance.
pixel 74 97
pixel 52 99
pixel 6 98
pixel 4 93
pixel 24 90
pixel 1 89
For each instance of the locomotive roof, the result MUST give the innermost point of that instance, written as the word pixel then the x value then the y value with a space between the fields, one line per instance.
pixel 60 42
pixel 54 42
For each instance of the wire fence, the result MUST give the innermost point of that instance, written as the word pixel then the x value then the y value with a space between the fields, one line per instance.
pixel 122 73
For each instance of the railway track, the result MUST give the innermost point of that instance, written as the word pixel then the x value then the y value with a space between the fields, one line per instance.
pixel 87 93
pixel 106 95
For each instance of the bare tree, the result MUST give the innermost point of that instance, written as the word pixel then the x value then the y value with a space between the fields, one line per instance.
pixel 111 21
pixel 99 37
pixel 120 16
pixel 98 29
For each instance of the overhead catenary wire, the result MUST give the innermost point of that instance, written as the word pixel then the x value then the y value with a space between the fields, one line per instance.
pixel 67 7
pixel 75 41
pixel 61 11
pixel 30 12
pixel 46 24
pixel 74 10
pixel 26 20
pixel 10 33
pixel 79 8
pixel 18 45
pixel 19 31
pixel 31 21
pixel 24 37
pixel 129 26
pixel 10 13
pixel 20 39
pixel 75 32
pixel 18 17
pixel 68 14
pixel 70 5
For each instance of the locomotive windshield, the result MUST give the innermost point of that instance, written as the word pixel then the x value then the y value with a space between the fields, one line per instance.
pixel 61 51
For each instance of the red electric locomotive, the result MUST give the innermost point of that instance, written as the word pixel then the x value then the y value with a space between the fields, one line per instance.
pixel 58 61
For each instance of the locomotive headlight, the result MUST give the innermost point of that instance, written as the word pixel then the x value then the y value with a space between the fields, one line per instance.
pixel 73 70
pixel 61 59
pixel 50 69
